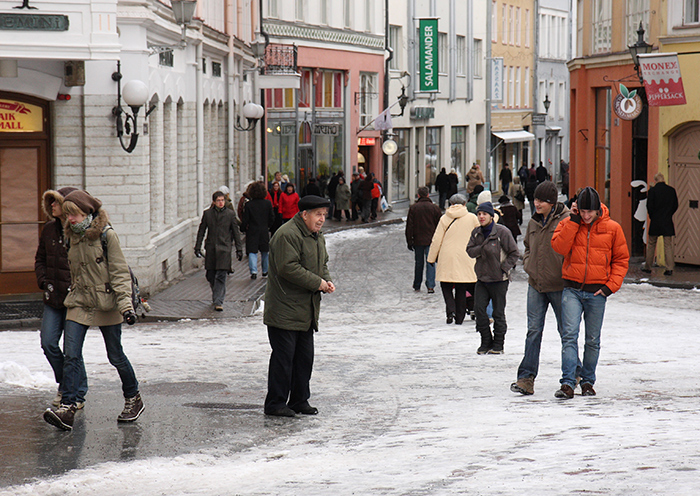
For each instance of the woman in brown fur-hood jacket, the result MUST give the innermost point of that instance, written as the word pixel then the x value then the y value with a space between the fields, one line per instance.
pixel 100 295
pixel 53 278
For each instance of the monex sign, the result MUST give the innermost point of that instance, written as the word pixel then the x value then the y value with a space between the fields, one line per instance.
pixel 662 79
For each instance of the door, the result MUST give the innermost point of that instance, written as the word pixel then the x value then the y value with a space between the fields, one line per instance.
pixel 684 172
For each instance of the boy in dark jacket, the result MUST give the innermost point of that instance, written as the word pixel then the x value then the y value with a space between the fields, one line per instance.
pixel 495 251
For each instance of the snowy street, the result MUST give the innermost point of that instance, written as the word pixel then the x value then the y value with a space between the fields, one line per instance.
pixel 406 405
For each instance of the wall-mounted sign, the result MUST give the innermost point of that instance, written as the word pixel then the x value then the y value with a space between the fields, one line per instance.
pixel 34 22
pixel 497 80
pixel 428 55
pixel 662 79
pixel 367 141
pixel 422 113
pixel 17 117
pixel 327 128
pixel 627 105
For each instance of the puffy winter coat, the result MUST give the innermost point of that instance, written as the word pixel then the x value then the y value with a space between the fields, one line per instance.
pixel 595 255
pixel 298 262
pixel 449 244
pixel 495 254
pixel 289 205
pixel 423 218
pixel 258 218
pixel 540 261
pixel 100 289
pixel 222 229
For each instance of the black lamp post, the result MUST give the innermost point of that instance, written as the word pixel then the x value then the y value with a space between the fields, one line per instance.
pixel 640 47
pixel 135 96
pixel 546 104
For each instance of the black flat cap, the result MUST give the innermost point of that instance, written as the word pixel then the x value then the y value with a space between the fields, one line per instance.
pixel 309 202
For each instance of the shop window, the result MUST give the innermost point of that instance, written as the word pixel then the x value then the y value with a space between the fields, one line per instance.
pixel 458 151
pixel 432 154
pixel 399 165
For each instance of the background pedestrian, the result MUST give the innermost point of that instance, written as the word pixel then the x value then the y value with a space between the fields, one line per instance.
pixel 258 219
pixel 662 203
pixel 423 217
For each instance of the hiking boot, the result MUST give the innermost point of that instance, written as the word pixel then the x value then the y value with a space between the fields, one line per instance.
pixel 525 386
pixel 62 418
pixel 587 389
pixel 565 392
pixel 285 411
pixel 133 408
pixel 497 344
pixel 486 343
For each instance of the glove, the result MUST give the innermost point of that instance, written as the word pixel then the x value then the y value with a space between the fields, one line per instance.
pixel 575 218
pixel 410 247
pixel 198 253
pixel 239 255
pixel 130 317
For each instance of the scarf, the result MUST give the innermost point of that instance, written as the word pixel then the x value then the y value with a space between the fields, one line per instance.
pixel 80 227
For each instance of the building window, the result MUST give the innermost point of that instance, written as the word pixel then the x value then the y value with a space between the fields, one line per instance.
pixel 204 66
pixel 368 98
pixel 511 26
pixel 527 28
pixel 541 92
pixel 305 89
pixel 637 11
pixel 494 22
pixel 442 53
pixel 511 86
pixel 299 10
pixel 280 98
pixel 505 86
pixel 432 154
pixel 395 43
pixel 166 58
pixel 517 87
pixel 602 142
pixel 346 13
pixel 458 151
pixel 602 26
pixel 461 55
pixel 216 69
pixel 329 90
pixel 518 27
pixel 478 58
pixel 324 11
pixel 526 100
pixel 399 165
pixel 504 25
pixel 562 101
pixel 272 8
pixel 691 14
pixel 369 7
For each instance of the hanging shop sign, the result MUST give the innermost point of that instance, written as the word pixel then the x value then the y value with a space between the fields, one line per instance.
pixel 18 117
pixel 366 141
pixel 497 80
pixel 662 79
pixel 428 55
pixel 628 104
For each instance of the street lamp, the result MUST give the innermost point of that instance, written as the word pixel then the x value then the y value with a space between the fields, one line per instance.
pixel 183 11
pixel 546 104
pixel 640 47
pixel 253 113
pixel 135 96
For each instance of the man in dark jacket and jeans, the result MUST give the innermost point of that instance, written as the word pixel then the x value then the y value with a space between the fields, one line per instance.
pixel 662 203
pixel 545 284
pixel 298 276
pixel 221 226
pixel 423 218
pixel 495 251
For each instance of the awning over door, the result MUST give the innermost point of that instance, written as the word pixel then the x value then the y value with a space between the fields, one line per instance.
pixel 514 136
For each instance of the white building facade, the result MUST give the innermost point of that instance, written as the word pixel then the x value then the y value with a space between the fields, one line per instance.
pixel 59 58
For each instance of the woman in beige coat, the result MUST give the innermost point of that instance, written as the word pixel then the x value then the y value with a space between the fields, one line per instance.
pixel 100 295
pixel 455 269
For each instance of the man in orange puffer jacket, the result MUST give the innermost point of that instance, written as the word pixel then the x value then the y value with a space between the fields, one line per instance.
pixel 595 263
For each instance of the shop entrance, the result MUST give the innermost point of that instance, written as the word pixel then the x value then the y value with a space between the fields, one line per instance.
pixel 684 172
pixel 24 176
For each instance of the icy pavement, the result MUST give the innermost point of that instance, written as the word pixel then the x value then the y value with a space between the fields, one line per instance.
pixel 406 405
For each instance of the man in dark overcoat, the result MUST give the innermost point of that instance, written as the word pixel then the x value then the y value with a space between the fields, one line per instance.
pixel 423 218
pixel 221 226
pixel 662 203
pixel 298 275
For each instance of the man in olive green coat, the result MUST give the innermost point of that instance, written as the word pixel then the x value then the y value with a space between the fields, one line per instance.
pixel 298 275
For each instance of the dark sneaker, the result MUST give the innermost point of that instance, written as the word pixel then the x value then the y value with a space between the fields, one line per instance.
pixel 253 276
pixel 264 274
pixel 525 386
pixel 432 290
pixel 565 392
pixel 219 308
pixel 450 319
pixel 482 350
pixel 668 272
pixel 587 389
pixel 133 408
pixel 62 418
pixel 285 411
pixel 306 410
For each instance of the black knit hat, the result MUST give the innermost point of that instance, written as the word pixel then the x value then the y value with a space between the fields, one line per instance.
pixel 486 207
pixel 588 199
pixel 546 191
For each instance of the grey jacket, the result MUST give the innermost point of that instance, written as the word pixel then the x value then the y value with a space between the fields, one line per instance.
pixel 495 255
pixel 540 261
pixel 298 262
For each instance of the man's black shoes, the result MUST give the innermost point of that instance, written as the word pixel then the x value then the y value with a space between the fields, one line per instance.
pixel 307 410
pixel 285 411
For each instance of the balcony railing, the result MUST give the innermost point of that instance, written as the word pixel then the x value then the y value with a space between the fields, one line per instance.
pixel 280 59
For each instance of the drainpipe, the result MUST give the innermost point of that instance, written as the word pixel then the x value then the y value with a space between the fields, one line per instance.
pixel 488 44
pixel 200 128
pixel 232 74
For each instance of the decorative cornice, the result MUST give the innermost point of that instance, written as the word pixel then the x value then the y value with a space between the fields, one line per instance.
pixel 301 31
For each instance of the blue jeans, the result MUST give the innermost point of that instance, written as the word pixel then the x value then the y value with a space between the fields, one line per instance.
pixel 421 253
pixel 574 303
pixel 537 304
pixel 52 324
pixel 253 262
pixel 74 337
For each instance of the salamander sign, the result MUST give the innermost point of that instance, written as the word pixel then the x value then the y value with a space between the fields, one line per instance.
pixel 428 55
pixel 662 79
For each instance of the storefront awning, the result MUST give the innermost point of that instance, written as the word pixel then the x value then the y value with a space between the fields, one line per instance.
pixel 514 136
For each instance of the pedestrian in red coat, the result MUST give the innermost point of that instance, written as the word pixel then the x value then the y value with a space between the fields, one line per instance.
pixel 289 203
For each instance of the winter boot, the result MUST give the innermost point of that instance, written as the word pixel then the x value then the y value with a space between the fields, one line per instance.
pixel 525 386
pixel 486 342
pixel 498 341
pixel 62 418
pixel 133 407
pixel 450 318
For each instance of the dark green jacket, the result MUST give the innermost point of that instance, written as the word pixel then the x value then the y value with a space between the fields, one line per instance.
pixel 298 262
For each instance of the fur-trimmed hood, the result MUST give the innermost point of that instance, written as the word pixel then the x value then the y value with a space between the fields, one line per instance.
pixel 52 195
pixel 93 232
